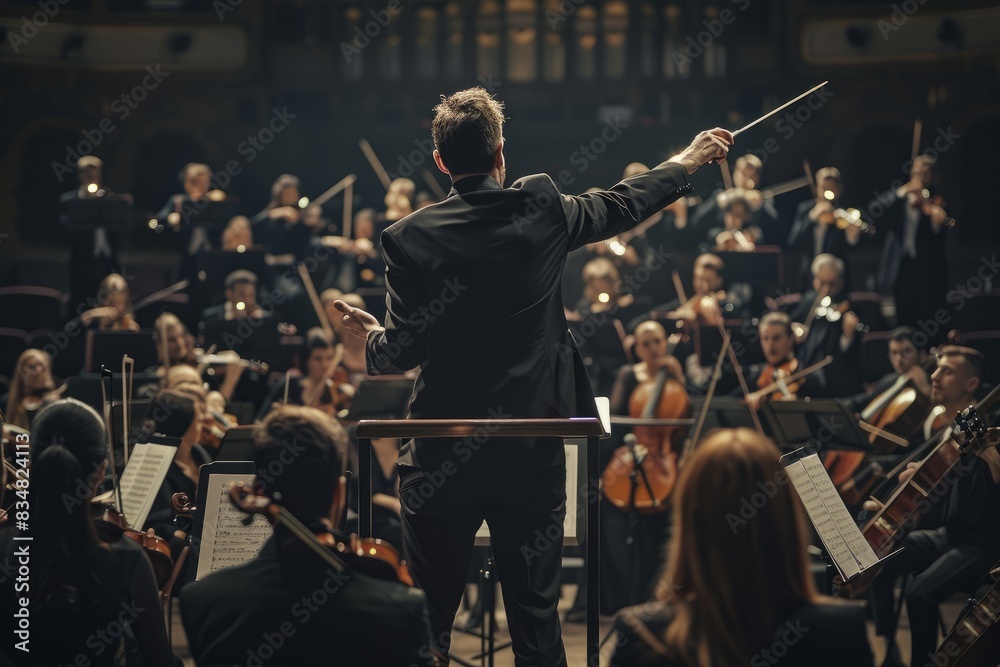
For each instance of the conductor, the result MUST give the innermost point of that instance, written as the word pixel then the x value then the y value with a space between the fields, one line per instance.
pixel 474 300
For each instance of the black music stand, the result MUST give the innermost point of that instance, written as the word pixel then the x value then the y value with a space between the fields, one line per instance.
pixel 723 412
pixel 380 399
pixel 237 444
pixel 212 215
pixel 111 212
pixel 813 424
pixel 590 428
pixel 104 348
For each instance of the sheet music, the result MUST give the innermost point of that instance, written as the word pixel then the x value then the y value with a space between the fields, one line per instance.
pixel 841 537
pixel 225 541
pixel 142 478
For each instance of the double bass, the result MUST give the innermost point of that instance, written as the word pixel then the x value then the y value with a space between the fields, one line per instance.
pixel 642 473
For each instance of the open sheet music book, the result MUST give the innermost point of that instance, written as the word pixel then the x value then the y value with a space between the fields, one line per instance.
pixel 847 547
pixel 143 476
pixel 223 539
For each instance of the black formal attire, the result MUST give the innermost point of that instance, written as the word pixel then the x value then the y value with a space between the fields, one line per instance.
pixel 809 238
pixel 813 385
pixel 943 560
pixel 287 607
pixel 843 376
pixel 914 267
pixel 709 214
pixel 818 635
pixel 85 624
pixel 92 255
pixel 474 300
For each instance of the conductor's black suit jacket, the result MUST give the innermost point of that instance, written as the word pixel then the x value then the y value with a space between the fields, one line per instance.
pixel 474 295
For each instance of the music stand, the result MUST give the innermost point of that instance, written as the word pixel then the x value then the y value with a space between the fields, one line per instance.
pixel 237 444
pixel 111 212
pixel 252 338
pixel 380 399
pixel 212 267
pixel 813 424
pixel 723 412
pixel 104 348
pixel 212 215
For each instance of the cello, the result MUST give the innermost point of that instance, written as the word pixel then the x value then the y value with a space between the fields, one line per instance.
pixel 893 521
pixel 650 454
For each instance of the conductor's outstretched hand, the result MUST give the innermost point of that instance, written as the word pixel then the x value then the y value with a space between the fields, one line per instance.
pixel 708 146
pixel 358 322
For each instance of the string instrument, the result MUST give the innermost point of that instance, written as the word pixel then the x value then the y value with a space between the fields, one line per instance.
pixel 736 240
pixel 651 452
pixel 779 382
pixel 331 394
pixel 903 510
pixel 368 556
pixel 975 640
pixel 930 204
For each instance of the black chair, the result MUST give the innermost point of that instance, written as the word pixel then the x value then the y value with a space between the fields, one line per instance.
pixel 12 343
pixel 32 307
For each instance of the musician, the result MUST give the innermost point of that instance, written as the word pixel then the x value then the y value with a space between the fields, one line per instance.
pixel 738 232
pixel 362 621
pixel 738 594
pixel 360 262
pixel 955 554
pixel 354 348
pixel 81 586
pixel 309 388
pixel 241 299
pixel 747 177
pixel 814 229
pixel 32 387
pixel 278 224
pixel 603 293
pixel 907 360
pixel 474 301
pixel 197 179
pixel 829 328
pixel 113 299
pixel 628 567
pixel 238 235
pixel 175 346
pixel 177 413
pixel 914 265
pixel 90 255
pixel 778 344
pixel 673 220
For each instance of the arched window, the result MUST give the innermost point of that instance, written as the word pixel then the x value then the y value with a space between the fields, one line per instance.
pixel 554 41
pixel 585 38
pixel 522 40
pixel 455 47
pixel 352 63
pixel 426 48
pixel 615 32
pixel 488 39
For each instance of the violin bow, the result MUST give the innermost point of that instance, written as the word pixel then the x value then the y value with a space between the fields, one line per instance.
pixel 807 168
pixel 128 367
pixel 742 380
pixel 243 497
pixel 693 440
pixel 918 126
pixel 307 282
pixel 317 391
pixel 108 397
pixel 727 177
pixel 373 160
pixel 155 296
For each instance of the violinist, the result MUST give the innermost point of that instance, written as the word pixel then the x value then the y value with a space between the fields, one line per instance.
pixel 814 230
pixel 353 360
pixel 80 585
pixel 914 267
pixel 825 325
pixel 738 233
pixel 32 388
pixel 316 382
pixel 778 344
pixel 196 179
pixel 361 621
pixel 91 254
pixel 238 235
pixel 113 299
pixel 359 263
pixel 241 299
pixel 278 225
pixel 603 292
pixel 671 225
pixel 748 173
pixel 953 553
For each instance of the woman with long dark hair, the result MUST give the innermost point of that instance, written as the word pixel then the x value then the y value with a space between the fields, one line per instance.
pixel 737 590
pixel 83 594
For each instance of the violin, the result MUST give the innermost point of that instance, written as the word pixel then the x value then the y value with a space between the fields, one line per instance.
pixel 975 640
pixel 909 502
pixel 651 451
pixel 111 526
pixel 372 557
pixel 782 381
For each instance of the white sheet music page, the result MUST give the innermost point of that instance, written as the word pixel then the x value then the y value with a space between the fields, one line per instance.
pixel 808 488
pixel 142 478
pixel 225 541
pixel 846 525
